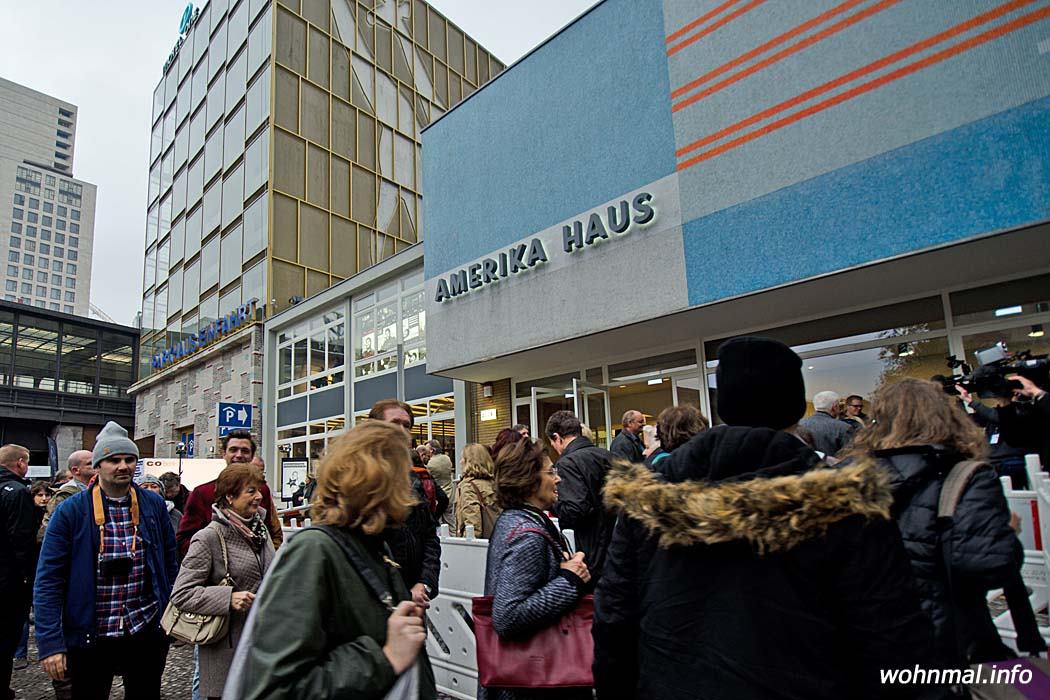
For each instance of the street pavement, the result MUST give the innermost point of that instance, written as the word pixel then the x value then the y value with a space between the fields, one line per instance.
pixel 33 684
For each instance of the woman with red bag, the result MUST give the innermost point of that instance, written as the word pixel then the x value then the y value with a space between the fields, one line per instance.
pixel 531 576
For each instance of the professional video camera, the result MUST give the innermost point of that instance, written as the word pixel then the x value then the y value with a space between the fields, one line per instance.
pixel 994 365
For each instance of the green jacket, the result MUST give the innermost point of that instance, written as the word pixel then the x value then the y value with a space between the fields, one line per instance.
pixel 320 631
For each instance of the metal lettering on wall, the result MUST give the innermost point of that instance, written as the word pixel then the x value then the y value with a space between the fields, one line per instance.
pixel 583 232
pixel 189 18
pixel 216 330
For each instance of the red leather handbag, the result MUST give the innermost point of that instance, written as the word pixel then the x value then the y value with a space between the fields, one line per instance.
pixel 558 656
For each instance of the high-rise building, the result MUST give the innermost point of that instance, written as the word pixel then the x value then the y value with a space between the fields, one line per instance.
pixel 47 216
pixel 285 158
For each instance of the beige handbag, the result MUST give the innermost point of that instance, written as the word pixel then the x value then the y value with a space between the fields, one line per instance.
pixel 193 628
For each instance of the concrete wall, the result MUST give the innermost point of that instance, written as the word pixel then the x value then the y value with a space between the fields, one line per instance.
pixel 187 394
pixel 796 139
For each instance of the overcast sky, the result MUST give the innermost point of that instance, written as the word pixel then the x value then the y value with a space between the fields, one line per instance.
pixel 106 58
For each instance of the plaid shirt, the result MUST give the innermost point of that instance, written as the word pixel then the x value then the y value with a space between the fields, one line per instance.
pixel 123 604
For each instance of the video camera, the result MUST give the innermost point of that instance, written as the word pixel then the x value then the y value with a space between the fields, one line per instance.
pixel 994 365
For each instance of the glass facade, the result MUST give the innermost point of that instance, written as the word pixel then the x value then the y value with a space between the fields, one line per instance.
pixel 48 354
pixel 301 151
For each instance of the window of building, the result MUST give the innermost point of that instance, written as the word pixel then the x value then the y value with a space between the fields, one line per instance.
pixel 50 194
pixel 17 213
pixel 45 249
pixel 16 227
pixel 12 285
pixel 12 271
pixel 311 357
pixel 60 224
pixel 28 259
pixel 79 359
pixel 74 214
pixel 70 296
pixel 391 315
pixel 13 255
pixel 27 273
pixel 30 245
pixel 27 288
pixel 60 238
pixel 16 242
pixel 68 309
pixel 48 207
pixel 45 220
pixel 34 203
pixel 71 269
pixel 74 242
pixel 56 280
pixel 72 255
pixel 20 199
pixel 41 291
pixel 59 252
pixel 54 306
pixel 116 372
pixel 71 282
pixel 57 294
pixel 45 235
pixel 50 181
pixel 41 277
pixel 32 217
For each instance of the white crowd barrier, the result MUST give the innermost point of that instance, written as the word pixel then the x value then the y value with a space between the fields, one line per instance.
pixel 1032 506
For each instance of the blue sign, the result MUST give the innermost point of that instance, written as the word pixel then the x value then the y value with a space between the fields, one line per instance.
pixel 187 439
pixel 211 333
pixel 234 416
pixel 187 17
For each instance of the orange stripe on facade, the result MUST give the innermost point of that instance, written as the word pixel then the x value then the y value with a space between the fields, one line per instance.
pixel 940 37
pixel 781 55
pixel 772 43
pixel 901 72
pixel 700 20
pixel 714 27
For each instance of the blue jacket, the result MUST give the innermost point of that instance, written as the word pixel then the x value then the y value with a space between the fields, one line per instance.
pixel 64 593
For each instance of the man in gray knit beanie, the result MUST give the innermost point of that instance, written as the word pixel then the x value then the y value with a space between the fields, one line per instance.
pixel 113 440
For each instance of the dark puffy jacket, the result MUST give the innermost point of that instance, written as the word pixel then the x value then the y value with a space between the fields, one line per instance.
pixel 986 552
pixel 415 545
pixel 740 568
pixel 17 536
pixel 583 468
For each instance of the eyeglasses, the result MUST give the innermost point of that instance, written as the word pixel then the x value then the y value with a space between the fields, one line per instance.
pixel 553 471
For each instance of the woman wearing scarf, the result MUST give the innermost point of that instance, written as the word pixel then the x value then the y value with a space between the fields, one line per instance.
pixel 200 586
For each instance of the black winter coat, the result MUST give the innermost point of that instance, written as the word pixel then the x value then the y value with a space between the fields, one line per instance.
pixel 985 550
pixel 415 545
pixel 628 446
pixel 740 568
pixel 583 468
pixel 20 523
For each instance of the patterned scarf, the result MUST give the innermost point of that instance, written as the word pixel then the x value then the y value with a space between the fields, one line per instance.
pixel 253 529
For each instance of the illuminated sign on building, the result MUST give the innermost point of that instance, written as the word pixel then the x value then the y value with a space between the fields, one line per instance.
pixel 209 334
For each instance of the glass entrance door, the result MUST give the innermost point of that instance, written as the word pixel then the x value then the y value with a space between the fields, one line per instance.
pixel 544 403
pixel 591 405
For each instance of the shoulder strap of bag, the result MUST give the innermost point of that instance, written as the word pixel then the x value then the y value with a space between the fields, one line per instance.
pixel 951 493
pixel 367 574
pixel 225 557
pixel 954 486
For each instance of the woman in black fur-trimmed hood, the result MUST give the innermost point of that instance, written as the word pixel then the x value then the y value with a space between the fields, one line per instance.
pixel 744 568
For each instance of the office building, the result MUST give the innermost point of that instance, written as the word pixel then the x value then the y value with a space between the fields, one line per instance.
pixel 285 159
pixel 46 215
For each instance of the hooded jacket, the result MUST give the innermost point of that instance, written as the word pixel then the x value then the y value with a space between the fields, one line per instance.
pixel 985 551
pixel 741 568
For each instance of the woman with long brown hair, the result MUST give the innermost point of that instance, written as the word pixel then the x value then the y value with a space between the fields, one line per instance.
pixel 476 493
pixel 917 435
pixel 334 619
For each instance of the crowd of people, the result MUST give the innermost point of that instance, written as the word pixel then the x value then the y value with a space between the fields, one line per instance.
pixel 771 556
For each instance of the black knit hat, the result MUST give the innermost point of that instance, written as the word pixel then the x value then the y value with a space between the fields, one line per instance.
pixel 760 383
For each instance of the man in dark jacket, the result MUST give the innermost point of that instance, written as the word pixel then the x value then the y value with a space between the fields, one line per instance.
pixel 742 569
pixel 414 545
pixel 17 544
pixel 582 468
pixel 628 444
pixel 105 574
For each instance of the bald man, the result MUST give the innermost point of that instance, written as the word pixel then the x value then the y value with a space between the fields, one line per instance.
pixel 83 472
pixel 628 444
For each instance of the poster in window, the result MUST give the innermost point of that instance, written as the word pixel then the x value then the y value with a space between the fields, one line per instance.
pixel 293 475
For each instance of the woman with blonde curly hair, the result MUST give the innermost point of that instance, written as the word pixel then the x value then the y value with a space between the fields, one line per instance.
pixel 476 494
pixel 917 435
pixel 321 629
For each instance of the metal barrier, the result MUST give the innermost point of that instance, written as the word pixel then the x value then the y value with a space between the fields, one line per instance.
pixel 1032 506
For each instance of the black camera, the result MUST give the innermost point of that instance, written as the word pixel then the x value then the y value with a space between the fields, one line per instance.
pixel 115 568
pixel 994 365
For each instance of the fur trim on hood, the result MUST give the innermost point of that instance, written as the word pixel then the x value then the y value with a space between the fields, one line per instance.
pixel 773 514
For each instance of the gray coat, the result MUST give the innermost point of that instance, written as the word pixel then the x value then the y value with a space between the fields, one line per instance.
pixel 830 434
pixel 197 590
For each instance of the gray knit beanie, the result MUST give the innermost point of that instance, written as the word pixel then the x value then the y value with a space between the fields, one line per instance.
pixel 113 440
pixel 150 479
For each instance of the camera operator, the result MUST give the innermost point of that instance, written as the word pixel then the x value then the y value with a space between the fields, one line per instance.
pixel 1017 425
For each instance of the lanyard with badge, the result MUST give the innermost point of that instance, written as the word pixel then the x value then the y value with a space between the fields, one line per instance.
pixel 119 566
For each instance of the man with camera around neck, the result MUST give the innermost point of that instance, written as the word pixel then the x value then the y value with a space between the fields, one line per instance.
pixel 104 576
